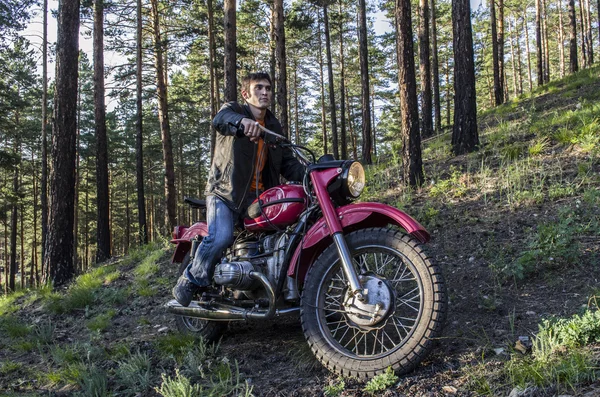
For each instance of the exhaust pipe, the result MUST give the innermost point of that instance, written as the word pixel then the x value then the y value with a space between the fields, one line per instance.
pixel 222 312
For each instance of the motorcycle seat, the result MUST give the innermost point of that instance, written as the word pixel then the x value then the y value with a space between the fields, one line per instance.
pixel 195 203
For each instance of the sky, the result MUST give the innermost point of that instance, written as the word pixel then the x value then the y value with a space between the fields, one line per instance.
pixel 34 33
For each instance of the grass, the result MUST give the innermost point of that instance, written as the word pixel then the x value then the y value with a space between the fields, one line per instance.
pixel 534 152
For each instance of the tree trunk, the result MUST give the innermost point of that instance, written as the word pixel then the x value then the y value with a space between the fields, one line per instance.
pixel 77 175
pixel 14 213
pixel 102 203
pixel 86 224
pixel 351 126
pixel 526 28
pixel 425 69
pixel 272 61
pixel 343 134
pixel 412 163
pixel 211 66
pixel 465 137
pixel 519 57
pixel 598 9
pixel 512 57
pixel 163 117
pixel 448 93
pixel 139 135
pixel 584 63
pixel 364 82
pixel 322 85
pixel 561 41
pixel 436 72
pixel 573 62
pixel 546 45
pixel 588 35
pixel 538 42
pixel 59 244
pixel 230 92
pixel 282 100
pixel 334 136
pixel 34 245
pixel 44 181
pixel 498 89
pixel 296 107
pixel 500 38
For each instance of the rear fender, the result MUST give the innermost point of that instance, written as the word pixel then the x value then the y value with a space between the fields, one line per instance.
pixel 352 217
pixel 184 242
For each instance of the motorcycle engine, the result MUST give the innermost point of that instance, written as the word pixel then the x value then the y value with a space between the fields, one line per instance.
pixel 264 255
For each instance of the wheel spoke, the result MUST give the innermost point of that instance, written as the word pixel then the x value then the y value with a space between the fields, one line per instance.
pixel 380 339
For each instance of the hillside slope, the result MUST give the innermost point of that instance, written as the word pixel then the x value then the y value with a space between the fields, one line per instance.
pixel 515 226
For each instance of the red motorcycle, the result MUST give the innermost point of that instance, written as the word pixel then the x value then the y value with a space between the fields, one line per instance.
pixel 367 294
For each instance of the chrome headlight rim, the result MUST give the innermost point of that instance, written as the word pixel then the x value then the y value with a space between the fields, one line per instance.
pixel 354 179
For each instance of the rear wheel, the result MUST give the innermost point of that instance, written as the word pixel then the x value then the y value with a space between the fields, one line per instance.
pixel 210 331
pixel 398 321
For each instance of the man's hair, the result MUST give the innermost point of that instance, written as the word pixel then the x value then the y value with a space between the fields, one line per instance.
pixel 250 77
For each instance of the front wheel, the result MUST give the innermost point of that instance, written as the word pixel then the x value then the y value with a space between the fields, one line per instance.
pixel 395 325
pixel 210 331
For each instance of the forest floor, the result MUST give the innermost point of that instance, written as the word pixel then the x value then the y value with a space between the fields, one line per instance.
pixel 515 228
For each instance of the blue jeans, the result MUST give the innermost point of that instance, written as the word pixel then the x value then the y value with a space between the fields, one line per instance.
pixel 220 219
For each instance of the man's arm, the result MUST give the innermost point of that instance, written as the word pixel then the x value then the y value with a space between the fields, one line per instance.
pixel 228 119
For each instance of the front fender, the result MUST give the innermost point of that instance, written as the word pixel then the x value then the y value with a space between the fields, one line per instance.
pixel 184 242
pixel 352 217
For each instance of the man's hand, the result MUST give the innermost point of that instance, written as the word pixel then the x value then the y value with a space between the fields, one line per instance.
pixel 251 129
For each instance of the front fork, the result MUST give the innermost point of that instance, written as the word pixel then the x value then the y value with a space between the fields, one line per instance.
pixel 349 271
pixel 336 232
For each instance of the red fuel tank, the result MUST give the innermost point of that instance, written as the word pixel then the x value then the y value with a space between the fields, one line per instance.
pixel 276 208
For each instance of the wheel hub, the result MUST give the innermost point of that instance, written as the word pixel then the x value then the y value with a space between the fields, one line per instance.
pixel 376 305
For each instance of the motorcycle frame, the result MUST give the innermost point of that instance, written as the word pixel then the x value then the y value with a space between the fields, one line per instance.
pixel 304 247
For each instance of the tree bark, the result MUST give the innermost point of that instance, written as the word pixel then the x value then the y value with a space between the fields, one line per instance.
pixel 59 244
pixel 14 214
pixel 436 72
pixel 44 181
pixel 343 133
pixel 588 35
pixel 573 61
pixel 561 41
pixel 584 51
pixel 230 92
pixel 163 117
pixel 282 99
pixel 519 56
pixel 546 45
pixel 425 69
pixel 465 137
pixel 538 41
pixel 334 136
pixel 211 66
pixel 498 89
pixel 139 135
pixel 322 85
pixel 526 28
pixel 364 82
pixel 412 163
pixel 500 38
pixel 512 57
pixel 103 198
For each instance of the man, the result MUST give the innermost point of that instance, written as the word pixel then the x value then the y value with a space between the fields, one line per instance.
pixel 243 165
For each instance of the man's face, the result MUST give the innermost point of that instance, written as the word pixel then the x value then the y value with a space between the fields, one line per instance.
pixel 259 94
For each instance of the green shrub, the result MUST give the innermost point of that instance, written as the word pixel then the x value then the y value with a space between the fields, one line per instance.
pixel 100 322
pixel 335 389
pixel 180 386
pixel 134 374
pixel 381 382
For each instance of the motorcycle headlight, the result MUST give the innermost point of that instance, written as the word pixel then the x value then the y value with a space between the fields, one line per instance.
pixel 355 181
